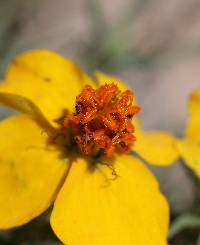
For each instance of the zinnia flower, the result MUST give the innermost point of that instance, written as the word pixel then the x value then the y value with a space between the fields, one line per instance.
pixel 69 148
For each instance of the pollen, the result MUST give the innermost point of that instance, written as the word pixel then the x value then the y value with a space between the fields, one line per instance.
pixel 102 120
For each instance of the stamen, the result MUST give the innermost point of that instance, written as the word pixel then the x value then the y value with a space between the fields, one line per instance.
pixel 103 120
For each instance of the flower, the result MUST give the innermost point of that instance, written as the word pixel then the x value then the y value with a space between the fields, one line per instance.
pixel 189 145
pixel 107 200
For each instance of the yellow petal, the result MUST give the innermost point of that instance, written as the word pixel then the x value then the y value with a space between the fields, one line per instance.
pixel 31 172
pixel 46 78
pixel 156 147
pixel 103 78
pixel 193 127
pixel 190 152
pixel 94 208
pixel 26 106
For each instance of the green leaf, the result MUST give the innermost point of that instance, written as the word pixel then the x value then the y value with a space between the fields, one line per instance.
pixel 185 221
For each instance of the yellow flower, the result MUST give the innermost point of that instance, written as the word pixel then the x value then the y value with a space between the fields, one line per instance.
pixel 189 146
pixel 90 207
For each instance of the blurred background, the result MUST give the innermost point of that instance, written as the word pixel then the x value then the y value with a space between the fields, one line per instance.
pixel 153 45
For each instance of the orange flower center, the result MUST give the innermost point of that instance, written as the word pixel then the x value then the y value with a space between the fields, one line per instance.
pixel 102 120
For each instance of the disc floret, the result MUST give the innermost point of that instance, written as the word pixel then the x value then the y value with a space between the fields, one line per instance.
pixel 102 120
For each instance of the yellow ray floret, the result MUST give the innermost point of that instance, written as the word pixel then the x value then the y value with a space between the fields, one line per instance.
pixel 190 152
pixel 31 173
pixel 92 208
pixel 46 78
pixel 26 106
pixel 193 125
pixel 156 147
pixel 189 146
